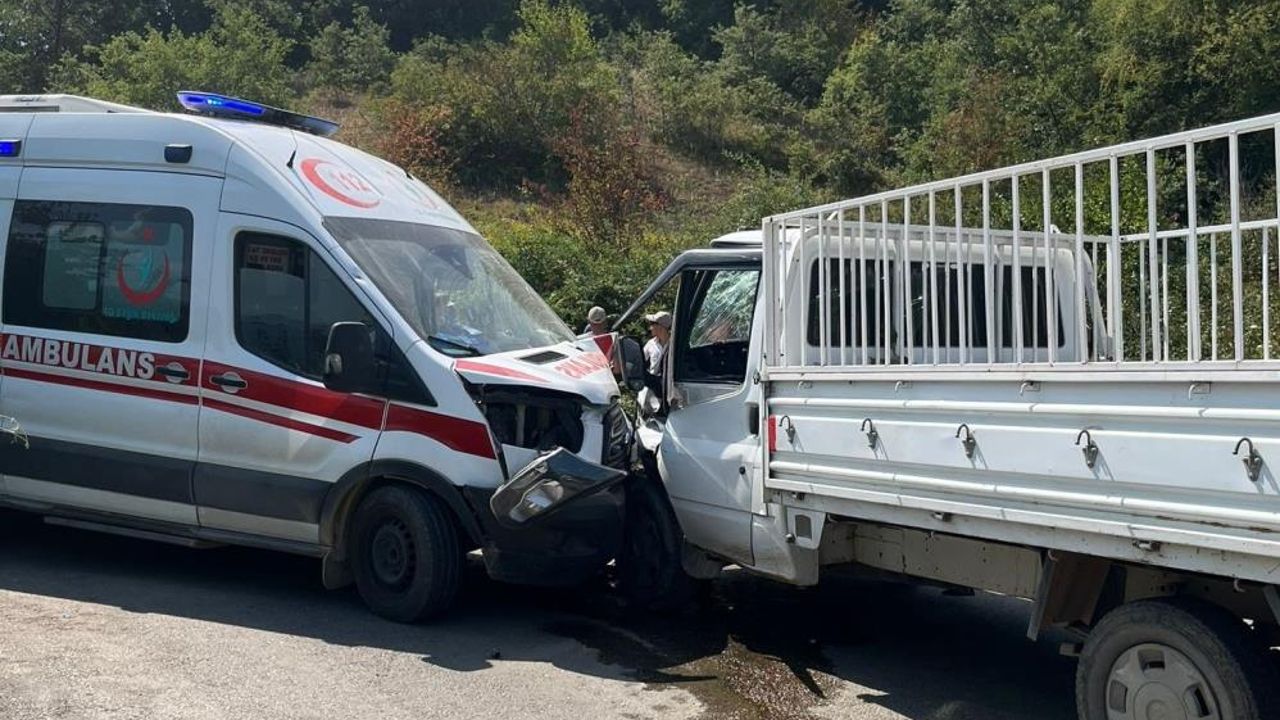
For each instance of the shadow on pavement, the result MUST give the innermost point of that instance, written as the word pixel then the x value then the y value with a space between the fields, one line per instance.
pixel 752 648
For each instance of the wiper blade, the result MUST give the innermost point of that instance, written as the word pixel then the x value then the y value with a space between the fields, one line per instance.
pixel 456 345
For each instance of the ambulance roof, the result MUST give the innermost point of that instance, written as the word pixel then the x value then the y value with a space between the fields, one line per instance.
pixel 270 170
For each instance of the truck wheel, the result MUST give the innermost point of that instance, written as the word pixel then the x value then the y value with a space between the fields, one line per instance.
pixel 1175 659
pixel 650 574
pixel 405 554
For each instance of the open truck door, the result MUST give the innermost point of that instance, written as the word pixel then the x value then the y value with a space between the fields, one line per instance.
pixel 698 433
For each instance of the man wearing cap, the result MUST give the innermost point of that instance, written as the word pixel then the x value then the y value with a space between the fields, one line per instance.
pixel 596 322
pixel 656 348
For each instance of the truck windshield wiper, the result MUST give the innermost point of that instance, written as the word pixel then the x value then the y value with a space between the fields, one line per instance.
pixel 453 347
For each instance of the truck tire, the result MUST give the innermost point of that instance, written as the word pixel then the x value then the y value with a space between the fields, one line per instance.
pixel 1174 658
pixel 650 574
pixel 405 554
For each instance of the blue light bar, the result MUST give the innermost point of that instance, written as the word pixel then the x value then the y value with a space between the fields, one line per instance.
pixel 10 148
pixel 219 105
pixel 223 106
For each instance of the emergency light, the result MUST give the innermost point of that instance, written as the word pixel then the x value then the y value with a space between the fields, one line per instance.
pixel 219 105
pixel 10 148
pixel 232 108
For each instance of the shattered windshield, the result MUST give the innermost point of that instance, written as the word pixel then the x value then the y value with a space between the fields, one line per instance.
pixel 727 309
pixel 455 290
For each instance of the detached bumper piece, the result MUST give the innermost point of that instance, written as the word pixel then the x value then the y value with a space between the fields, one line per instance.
pixel 557 522
pixel 547 485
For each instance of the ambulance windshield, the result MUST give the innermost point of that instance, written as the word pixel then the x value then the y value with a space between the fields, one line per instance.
pixel 456 291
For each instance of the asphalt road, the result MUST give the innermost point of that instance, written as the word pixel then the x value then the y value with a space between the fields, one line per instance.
pixel 95 626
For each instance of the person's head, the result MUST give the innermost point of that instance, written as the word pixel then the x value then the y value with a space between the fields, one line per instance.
pixel 597 320
pixel 659 325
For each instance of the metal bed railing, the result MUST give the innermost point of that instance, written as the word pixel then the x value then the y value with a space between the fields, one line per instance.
pixel 1150 253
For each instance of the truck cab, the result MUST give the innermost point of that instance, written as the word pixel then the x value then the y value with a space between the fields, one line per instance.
pixel 701 432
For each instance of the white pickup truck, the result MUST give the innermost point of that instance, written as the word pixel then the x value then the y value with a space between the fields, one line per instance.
pixel 1053 381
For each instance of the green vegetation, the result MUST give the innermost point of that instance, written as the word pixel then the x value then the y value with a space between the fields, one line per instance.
pixel 591 139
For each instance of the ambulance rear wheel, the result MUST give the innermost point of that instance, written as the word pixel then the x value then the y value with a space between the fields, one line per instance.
pixel 1172 659
pixel 405 554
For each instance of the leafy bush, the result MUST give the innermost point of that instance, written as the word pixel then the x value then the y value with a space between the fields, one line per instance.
pixel 411 138
pixel 761 192
pixel 510 102
pixel 610 188
pixel 574 273
pixel 238 55
pixel 357 57
pixel 697 108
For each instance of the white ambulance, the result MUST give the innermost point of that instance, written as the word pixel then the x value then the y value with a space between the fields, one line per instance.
pixel 222 327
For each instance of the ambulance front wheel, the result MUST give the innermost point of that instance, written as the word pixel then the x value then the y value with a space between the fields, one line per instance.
pixel 650 574
pixel 405 554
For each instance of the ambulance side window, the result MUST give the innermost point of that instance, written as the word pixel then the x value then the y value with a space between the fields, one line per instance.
pixel 101 268
pixel 287 298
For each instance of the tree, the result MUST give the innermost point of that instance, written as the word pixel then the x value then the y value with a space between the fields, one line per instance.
pixel 354 57
pixel 794 46
pixel 610 185
pixel 238 55
pixel 35 34
pixel 509 102
pixel 464 20
pixel 690 22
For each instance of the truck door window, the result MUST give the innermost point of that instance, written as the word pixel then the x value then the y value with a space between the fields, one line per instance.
pixel 714 330
pixel 102 268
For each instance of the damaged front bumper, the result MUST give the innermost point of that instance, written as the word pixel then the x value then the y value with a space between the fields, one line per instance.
pixel 556 522
pixel 549 484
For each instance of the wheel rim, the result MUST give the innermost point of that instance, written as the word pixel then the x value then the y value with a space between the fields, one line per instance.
pixel 1156 682
pixel 393 558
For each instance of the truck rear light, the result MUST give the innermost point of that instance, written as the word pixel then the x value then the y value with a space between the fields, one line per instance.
pixel 773 433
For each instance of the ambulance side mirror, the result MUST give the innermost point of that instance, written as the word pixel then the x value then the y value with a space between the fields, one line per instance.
pixel 348 358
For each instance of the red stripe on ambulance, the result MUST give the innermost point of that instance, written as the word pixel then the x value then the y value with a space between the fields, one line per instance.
pixel 153 393
pixel 110 365
pixel 583 365
pixel 495 370
pixel 465 436
pixel 300 396
pixel 280 421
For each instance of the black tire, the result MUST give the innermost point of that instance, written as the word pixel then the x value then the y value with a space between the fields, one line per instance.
pixel 405 554
pixel 1137 657
pixel 650 574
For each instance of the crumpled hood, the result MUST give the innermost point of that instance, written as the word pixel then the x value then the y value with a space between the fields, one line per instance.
pixel 578 368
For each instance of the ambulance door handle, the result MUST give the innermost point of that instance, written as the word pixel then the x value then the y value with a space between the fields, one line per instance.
pixel 173 372
pixel 230 382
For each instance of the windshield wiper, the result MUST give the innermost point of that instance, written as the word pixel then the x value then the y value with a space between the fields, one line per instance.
pixel 467 350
